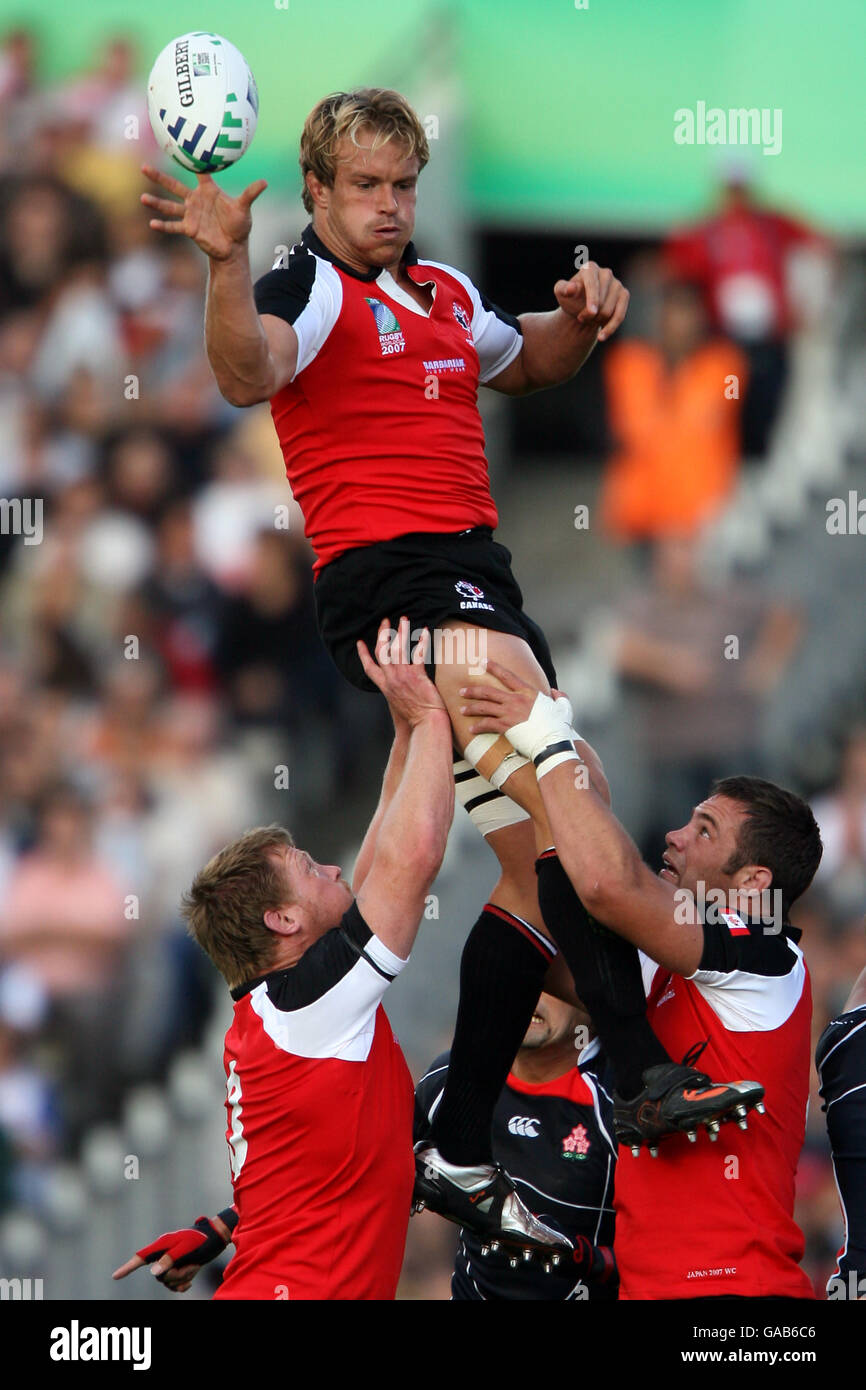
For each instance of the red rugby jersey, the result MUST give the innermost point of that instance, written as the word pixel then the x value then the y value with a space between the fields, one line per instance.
pixel 717 1218
pixel 380 428
pixel 319 1102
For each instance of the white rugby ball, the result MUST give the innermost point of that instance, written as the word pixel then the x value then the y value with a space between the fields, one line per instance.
pixel 202 102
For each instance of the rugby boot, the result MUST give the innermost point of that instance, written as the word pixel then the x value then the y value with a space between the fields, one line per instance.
pixel 676 1099
pixel 484 1199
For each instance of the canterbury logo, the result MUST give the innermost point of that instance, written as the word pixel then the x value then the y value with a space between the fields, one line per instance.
pixel 524 1125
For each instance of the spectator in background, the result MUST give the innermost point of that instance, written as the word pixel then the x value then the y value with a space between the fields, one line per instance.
pixel 29 1121
pixel 64 921
pixel 699 664
pixel 739 257
pixel 276 670
pixel 231 511
pixel 180 606
pixel 674 418
pixel 841 815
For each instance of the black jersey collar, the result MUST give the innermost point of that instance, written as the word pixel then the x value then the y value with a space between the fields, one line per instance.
pixel 758 927
pixel 312 242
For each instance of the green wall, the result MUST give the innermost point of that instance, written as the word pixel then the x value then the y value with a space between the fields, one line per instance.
pixel 568 113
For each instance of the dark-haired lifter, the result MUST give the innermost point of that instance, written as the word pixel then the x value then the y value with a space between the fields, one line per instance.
pixel 728 981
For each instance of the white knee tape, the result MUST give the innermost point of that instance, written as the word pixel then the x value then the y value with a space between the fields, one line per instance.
pixel 488 809
pixel 481 744
pixel 510 763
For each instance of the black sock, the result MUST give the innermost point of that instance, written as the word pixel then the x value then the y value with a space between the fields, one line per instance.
pixel 607 977
pixel 502 973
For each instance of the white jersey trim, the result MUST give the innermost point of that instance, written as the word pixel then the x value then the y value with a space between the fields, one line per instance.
pixel 341 1022
pixel 747 1003
pixel 496 343
pixel 846 1038
pixel 317 318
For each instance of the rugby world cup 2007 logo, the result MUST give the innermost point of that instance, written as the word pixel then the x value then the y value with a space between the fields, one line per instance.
pixel 391 338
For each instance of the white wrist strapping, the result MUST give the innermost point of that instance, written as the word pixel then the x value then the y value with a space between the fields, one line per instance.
pixel 546 738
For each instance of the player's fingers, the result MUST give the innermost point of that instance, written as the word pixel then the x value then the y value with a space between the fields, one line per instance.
pixel 480 709
pixel 422 647
pixel 166 226
pixel 250 194
pixel 489 725
pixel 618 314
pixel 370 667
pixel 384 638
pixel 162 1266
pixel 402 642
pixel 162 204
pixel 506 677
pixel 477 691
pixel 178 1278
pixel 589 275
pixel 135 1263
pixel 166 180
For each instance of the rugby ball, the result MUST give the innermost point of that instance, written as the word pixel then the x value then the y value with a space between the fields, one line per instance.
pixel 202 102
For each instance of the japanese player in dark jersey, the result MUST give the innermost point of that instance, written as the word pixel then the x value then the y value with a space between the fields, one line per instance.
pixel 841 1061
pixel 553 1131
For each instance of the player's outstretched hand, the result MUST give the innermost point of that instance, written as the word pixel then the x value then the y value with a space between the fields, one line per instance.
pixel 595 298
pixel 400 675
pixel 206 214
pixel 176 1257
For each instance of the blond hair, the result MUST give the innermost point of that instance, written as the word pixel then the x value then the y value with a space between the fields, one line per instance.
pixel 343 115
pixel 224 909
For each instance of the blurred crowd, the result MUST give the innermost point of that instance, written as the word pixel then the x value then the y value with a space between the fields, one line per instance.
pixel 160 665
pixel 162 683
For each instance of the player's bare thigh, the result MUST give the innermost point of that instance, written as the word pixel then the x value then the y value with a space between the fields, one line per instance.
pixel 462 653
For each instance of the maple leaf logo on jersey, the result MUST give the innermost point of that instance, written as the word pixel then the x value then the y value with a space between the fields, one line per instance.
pixel 391 339
pixel 735 924
pixel 462 317
pixel 576 1144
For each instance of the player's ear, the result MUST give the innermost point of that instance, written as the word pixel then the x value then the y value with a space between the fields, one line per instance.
pixel 754 878
pixel 282 920
pixel 317 190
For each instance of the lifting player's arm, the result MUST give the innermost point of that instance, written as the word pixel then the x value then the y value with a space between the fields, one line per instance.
pixel 592 305
pixel 390 782
pixel 411 836
pixel 252 356
pixel 602 861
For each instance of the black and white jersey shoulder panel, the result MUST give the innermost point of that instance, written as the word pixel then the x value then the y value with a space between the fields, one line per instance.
pixel 833 1065
pixel 840 1059
pixel 428 1094
pixel 752 983
pixel 325 1006
pixel 496 334
pixel 308 294
pixel 601 1102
